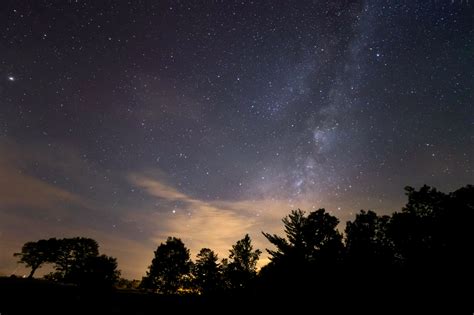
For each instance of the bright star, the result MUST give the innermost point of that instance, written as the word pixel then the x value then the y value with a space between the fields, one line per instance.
pixel 11 78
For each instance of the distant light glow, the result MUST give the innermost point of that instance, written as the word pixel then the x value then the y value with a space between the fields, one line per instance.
pixel 11 78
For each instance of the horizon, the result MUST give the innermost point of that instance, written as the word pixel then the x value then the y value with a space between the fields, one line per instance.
pixel 262 261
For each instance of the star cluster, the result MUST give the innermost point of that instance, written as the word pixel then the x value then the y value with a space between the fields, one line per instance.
pixel 129 121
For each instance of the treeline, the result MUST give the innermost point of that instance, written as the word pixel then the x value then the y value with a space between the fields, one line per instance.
pixel 424 253
pixel 172 271
pixel 426 246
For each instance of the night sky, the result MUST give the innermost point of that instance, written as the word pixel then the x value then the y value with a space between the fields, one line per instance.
pixel 131 121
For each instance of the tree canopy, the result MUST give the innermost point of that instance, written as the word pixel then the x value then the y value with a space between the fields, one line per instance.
pixel 75 260
pixel 367 242
pixel 170 268
pixel 242 266
pixel 207 272
pixel 309 239
pixel 36 254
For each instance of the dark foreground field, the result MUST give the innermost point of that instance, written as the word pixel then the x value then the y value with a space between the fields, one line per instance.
pixel 23 296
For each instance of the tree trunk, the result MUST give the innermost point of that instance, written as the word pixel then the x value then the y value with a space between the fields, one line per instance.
pixel 33 269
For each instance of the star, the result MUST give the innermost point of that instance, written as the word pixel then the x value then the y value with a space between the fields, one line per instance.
pixel 279 107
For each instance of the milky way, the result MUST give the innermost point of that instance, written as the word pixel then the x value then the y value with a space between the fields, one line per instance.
pixel 131 122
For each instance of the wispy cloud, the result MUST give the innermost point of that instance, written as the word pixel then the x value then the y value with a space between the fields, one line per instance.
pixel 32 208
pixel 158 189
pixel 214 224
pixel 128 227
pixel 20 190
pixel 199 223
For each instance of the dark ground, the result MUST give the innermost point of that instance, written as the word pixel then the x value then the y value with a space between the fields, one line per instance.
pixel 24 296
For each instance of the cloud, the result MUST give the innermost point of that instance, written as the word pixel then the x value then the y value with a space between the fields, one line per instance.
pixel 158 189
pixel 197 222
pixel 213 224
pixel 131 225
pixel 20 190
pixel 32 208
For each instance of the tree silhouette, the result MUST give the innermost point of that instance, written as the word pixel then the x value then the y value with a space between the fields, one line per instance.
pixel 35 254
pixel 170 268
pixel 322 239
pixel 417 230
pixel 76 260
pixel 242 266
pixel 432 231
pixel 207 272
pixel 419 256
pixel 457 236
pixel 367 242
pixel 458 220
pixel 432 238
pixel 96 271
pixel 310 252
pixel 308 239
pixel 293 245
pixel 72 256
